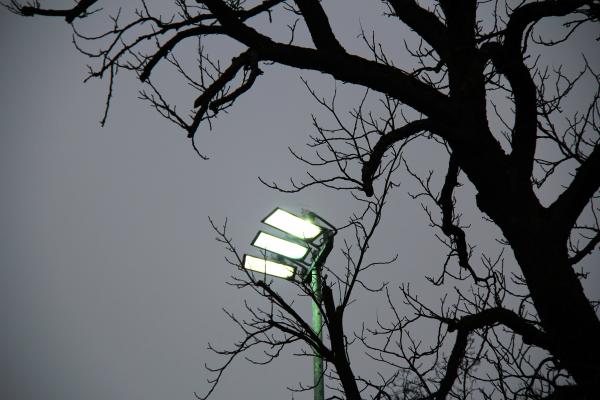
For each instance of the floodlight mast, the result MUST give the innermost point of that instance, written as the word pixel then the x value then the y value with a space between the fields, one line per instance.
pixel 317 317
pixel 304 231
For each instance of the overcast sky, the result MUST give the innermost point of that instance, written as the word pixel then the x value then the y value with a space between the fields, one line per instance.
pixel 111 283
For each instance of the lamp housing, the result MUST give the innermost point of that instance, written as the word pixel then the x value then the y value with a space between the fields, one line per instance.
pixel 284 247
pixel 269 267
pixel 298 227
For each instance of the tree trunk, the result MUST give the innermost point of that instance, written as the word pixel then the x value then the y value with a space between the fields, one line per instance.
pixel 338 346
pixel 564 311
pixel 539 244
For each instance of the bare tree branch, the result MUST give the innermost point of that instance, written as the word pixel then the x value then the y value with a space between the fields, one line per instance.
pixel 589 247
pixel 344 67
pixel 370 167
pixel 79 10
pixel 318 25
pixel 569 205
pixel 424 22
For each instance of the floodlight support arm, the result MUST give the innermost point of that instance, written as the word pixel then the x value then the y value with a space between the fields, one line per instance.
pixel 332 229
pixel 317 317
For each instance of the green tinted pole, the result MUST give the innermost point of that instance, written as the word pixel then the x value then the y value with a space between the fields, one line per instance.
pixel 317 322
pixel 317 319
pixel 301 228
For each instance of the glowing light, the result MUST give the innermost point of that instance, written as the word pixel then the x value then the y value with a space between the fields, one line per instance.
pixel 269 267
pixel 292 224
pixel 279 246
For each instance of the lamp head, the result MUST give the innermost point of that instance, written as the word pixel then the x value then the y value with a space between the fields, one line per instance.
pixel 293 225
pixel 280 246
pixel 290 251
pixel 269 267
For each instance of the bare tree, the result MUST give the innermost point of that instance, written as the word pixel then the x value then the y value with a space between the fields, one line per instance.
pixel 536 332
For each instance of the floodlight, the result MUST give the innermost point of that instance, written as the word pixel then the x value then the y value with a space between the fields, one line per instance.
pixel 304 232
pixel 279 246
pixel 269 267
pixel 292 224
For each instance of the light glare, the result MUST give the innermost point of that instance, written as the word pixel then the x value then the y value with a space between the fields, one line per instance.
pixel 292 224
pixel 280 246
pixel 268 267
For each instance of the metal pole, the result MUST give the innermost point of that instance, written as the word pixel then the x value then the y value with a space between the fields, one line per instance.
pixel 315 284
pixel 317 318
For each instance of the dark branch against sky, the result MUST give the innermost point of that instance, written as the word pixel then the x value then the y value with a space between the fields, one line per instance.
pixel 110 279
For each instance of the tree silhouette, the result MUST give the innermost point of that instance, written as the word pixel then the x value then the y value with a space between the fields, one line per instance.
pixel 540 341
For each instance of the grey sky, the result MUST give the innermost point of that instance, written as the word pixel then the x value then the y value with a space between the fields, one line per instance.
pixel 111 283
